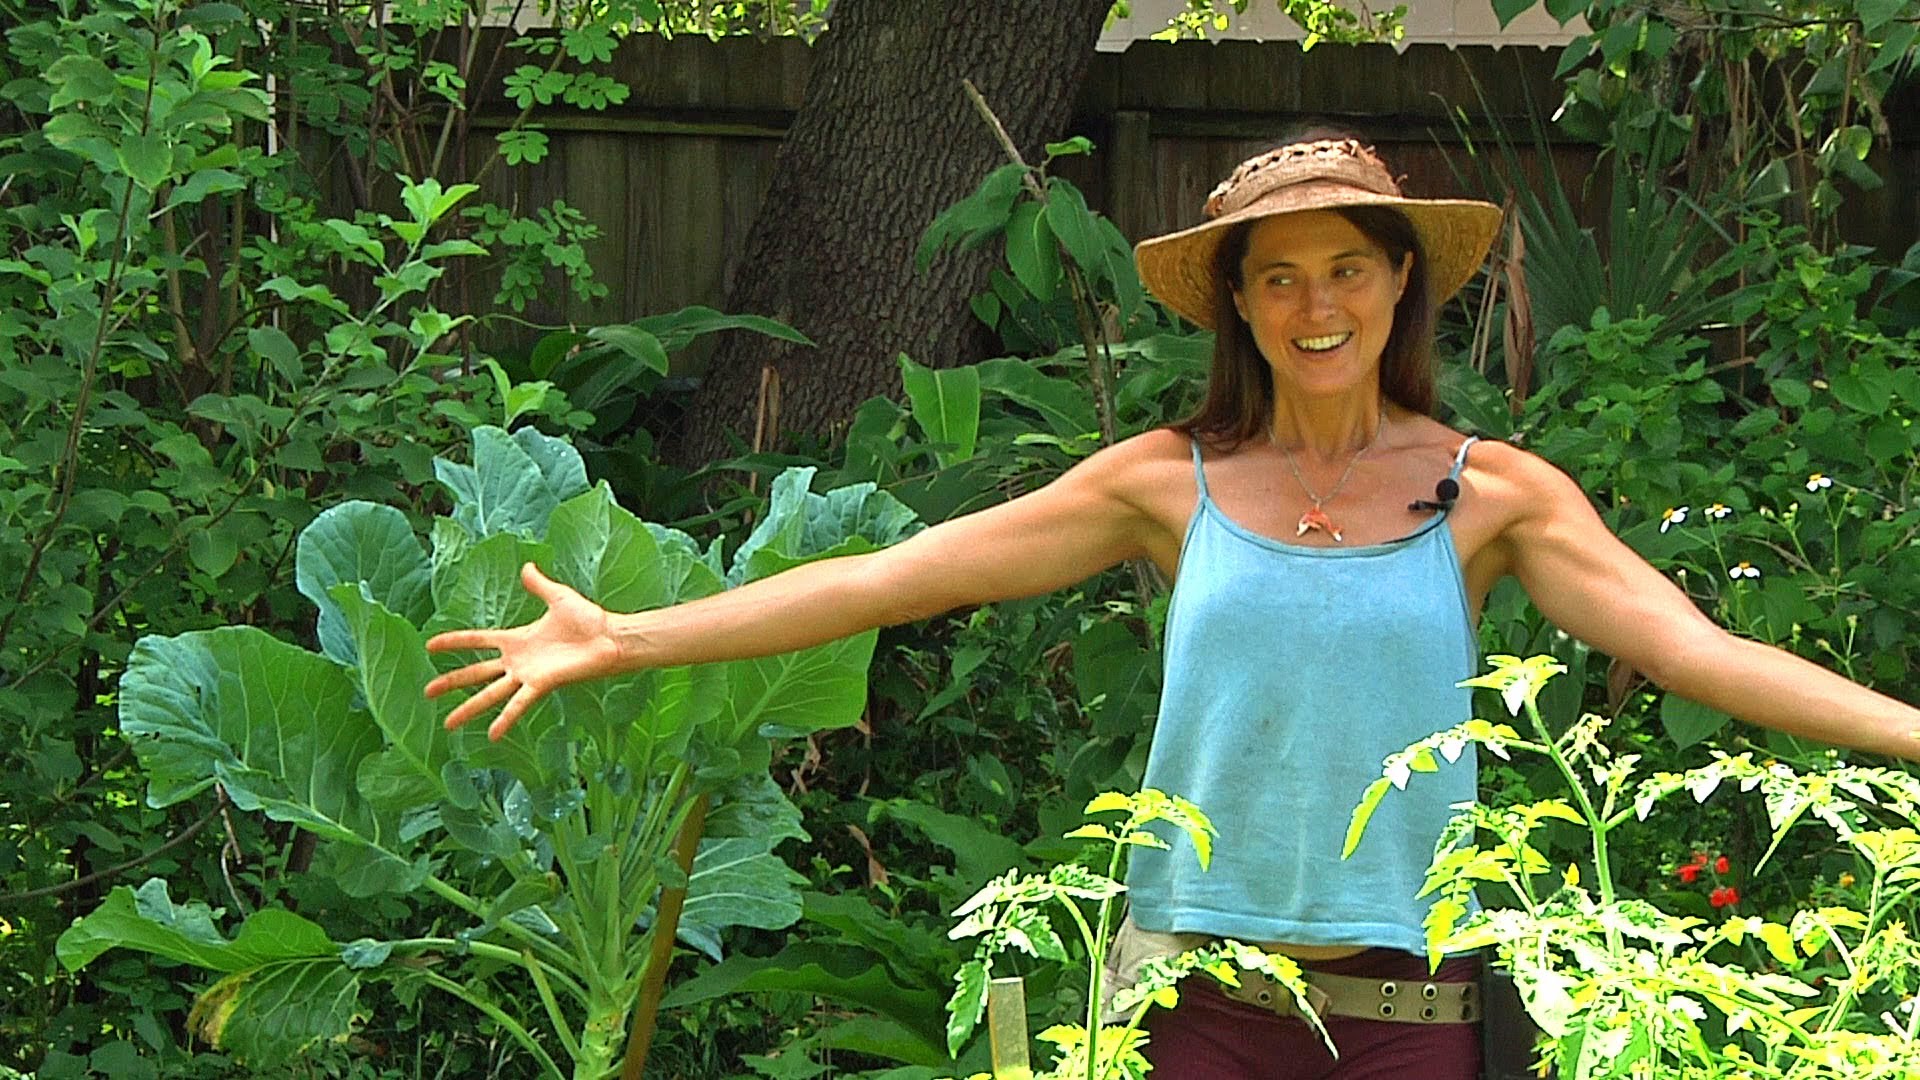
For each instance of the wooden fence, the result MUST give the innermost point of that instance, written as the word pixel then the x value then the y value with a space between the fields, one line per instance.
pixel 674 176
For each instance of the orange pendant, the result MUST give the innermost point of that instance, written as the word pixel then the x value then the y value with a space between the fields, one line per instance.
pixel 1316 518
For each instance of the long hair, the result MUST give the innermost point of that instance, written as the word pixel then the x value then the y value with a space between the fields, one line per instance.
pixel 1238 404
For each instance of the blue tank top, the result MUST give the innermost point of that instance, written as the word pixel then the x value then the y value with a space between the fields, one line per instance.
pixel 1291 673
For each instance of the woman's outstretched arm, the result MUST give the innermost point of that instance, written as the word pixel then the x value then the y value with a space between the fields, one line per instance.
pixel 1590 584
pixel 1073 528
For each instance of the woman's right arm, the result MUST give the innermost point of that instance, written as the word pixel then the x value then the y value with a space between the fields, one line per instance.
pixel 1089 519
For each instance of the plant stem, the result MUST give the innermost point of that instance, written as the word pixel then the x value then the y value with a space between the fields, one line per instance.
pixel 68 886
pixel 494 1012
pixel 474 908
pixel 1596 825
pixel 560 1026
pixel 1097 955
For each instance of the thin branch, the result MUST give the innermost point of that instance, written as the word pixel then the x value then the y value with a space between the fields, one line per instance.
pixel 111 871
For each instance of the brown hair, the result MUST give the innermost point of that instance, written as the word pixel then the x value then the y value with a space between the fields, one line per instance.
pixel 1238 404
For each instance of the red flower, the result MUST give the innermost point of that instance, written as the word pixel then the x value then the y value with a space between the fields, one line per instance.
pixel 1724 896
pixel 1720 865
pixel 1689 873
pixel 1699 858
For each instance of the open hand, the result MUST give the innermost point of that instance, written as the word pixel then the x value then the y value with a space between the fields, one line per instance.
pixel 571 642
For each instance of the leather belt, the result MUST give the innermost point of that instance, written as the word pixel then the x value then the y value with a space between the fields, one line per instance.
pixel 1399 1001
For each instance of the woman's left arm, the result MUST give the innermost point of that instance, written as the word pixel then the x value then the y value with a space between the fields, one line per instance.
pixel 1593 586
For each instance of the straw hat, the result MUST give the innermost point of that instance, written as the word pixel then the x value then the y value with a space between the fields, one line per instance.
pixel 1178 267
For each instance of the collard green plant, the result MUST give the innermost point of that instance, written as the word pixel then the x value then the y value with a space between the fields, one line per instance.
pixel 1825 988
pixel 555 841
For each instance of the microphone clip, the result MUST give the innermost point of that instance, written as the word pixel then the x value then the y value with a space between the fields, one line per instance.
pixel 1444 492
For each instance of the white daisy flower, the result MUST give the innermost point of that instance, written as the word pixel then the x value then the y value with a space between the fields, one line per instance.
pixel 1743 570
pixel 1817 481
pixel 1674 515
pixel 1718 511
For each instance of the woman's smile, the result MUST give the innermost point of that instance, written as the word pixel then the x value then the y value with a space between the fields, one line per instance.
pixel 1326 343
pixel 1318 296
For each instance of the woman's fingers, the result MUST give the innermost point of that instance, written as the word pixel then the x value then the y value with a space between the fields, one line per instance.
pixel 502 685
pixel 501 689
pixel 521 701
pixel 471 675
pixel 540 584
pixel 464 639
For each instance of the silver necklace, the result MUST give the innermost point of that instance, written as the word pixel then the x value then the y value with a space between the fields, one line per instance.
pixel 1315 516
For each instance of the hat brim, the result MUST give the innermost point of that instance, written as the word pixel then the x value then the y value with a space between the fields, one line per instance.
pixel 1455 235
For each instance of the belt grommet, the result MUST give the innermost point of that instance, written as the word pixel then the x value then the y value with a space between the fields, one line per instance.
pixel 1466 992
pixel 1386 1009
pixel 1388 989
pixel 1429 991
pixel 1427 1013
pixel 1264 997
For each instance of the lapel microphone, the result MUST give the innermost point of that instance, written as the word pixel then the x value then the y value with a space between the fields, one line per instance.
pixel 1444 492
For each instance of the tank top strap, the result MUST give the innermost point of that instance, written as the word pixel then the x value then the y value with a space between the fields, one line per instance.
pixel 1199 473
pixel 1459 458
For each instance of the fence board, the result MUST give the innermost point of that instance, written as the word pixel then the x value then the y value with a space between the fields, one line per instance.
pixel 675 174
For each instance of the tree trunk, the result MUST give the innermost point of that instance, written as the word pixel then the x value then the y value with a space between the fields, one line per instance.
pixel 885 140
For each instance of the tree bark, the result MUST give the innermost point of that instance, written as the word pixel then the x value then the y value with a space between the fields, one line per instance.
pixel 884 141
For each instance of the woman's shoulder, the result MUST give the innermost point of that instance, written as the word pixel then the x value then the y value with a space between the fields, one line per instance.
pixel 1518 491
pixel 1508 466
pixel 1153 447
pixel 1136 465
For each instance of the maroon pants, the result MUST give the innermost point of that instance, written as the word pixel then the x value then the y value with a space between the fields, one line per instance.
pixel 1209 1036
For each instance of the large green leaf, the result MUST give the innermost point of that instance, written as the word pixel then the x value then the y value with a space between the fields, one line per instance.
pixel 394 666
pixel 738 881
pixel 757 807
pixel 1064 405
pixel 1116 678
pixel 946 405
pixel 916 954
pixel 687 571
pixel 480 586
pixel 682 700
pixel 1075 225
pixel 1032 252
pixel 361 542
pixel 1688 722
pixel 797 693
pixel 979 853
pixel 560 465
pixel 616 560
pixel 286 989
pixel 148 920
pixel 271 1014
pixel 801 525
pixel 677 329
pixel 514 483
pixel 278 727
pixel 845 975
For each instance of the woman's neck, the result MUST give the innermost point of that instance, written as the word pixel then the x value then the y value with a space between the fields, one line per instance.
pixel 1329 430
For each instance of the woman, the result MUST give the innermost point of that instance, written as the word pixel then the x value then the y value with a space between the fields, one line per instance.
pixel 1331 545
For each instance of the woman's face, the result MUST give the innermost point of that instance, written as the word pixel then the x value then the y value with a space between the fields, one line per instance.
pixel 1318 295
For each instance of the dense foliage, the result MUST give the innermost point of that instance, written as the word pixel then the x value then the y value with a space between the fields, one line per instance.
pixel 207 355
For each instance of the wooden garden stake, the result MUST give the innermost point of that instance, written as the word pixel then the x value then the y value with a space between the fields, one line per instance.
pixel 1007 1028
pixel 647 1010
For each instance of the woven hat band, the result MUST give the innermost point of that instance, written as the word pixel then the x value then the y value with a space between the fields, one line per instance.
pixel 1338 161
